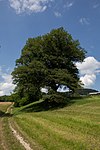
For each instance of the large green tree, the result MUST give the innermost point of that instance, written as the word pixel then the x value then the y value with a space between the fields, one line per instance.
pixel 47 60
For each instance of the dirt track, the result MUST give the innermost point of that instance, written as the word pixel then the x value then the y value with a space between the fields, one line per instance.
pixel 2 138
pixel 3 145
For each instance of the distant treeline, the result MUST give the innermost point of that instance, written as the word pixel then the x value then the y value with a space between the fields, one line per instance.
pixel 10 98
pixel 6 98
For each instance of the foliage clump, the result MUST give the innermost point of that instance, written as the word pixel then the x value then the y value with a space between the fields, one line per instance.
pixel 47 60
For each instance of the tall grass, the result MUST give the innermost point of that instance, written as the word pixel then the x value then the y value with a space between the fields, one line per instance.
pixel 73 127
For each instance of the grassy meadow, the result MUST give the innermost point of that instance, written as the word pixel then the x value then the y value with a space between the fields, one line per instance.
pixel 75 126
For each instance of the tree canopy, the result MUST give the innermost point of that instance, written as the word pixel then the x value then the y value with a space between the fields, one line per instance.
pixel 47 60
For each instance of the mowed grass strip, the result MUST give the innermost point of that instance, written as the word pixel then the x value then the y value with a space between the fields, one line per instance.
pixel 74 127
pixel 7 140
pixel 3 108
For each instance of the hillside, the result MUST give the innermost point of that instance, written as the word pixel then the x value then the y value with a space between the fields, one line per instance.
pixel 85 91
pixel 75 126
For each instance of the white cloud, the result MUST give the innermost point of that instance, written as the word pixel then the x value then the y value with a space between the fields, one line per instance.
pixel 44 90
pixel 63 89
pixel 89 65
pixel 28 6
pixel 57 14
pixel 6 85
pixel 61 6
pixel 84 21
pixel 96 5
pixel 88 70
pixel 88 80
pixel 68 4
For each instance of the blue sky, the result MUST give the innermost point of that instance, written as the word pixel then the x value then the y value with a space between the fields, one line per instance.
pixel 22 19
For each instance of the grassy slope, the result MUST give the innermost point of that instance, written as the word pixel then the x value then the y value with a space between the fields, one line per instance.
pixel 7 140
pixel 74 127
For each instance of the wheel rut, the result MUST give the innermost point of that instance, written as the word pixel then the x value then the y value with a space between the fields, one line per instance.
pixel 19 137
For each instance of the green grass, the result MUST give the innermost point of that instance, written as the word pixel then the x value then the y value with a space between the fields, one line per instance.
pixel 73 127
pixel 7 140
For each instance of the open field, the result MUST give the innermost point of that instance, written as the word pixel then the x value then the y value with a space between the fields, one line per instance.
pixel 4 106
pixel 73 127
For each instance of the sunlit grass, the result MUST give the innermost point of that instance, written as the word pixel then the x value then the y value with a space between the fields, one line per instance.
pixel 73 127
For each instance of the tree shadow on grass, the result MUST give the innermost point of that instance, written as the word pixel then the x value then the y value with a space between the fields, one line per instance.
pixel 49 106
pixel 3 114
pixel 46 106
